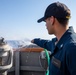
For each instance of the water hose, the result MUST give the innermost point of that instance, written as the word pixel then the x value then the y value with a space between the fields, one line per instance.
pixel 48 60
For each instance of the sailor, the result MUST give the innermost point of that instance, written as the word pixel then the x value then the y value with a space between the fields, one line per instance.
pixel 63 46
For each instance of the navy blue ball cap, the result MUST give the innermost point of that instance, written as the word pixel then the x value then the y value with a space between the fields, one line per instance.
pixel 41 19
pixel 58 10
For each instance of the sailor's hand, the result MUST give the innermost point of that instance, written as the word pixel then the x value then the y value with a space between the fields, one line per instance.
pixel 32 41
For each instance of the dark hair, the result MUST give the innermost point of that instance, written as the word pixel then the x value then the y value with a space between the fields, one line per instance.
pixel 64 22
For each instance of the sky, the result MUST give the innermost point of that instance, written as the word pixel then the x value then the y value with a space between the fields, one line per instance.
pixel 18 18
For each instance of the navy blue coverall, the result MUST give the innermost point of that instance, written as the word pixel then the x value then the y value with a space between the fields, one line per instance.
pixel 64 61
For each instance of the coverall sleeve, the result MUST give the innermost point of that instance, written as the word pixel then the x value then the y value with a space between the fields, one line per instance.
pixel 49 45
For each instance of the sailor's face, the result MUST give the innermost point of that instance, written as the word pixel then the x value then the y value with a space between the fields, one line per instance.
pixel 49 25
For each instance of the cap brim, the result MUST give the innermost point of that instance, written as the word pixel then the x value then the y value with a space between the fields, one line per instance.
pixel 41 19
